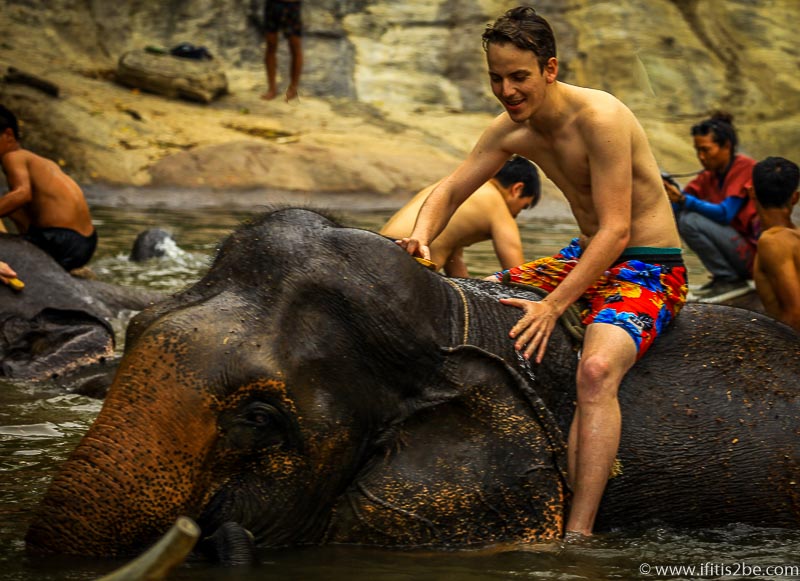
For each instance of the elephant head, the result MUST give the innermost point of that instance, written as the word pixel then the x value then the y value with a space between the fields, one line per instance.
pixel 314 387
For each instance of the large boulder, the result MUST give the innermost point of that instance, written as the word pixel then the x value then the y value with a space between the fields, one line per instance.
pixel 171 76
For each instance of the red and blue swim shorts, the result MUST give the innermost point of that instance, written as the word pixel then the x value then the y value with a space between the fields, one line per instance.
pixel 641 293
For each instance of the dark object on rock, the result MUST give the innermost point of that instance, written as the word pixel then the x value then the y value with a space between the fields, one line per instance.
pixel 187 50
pixel 174 77
pixel 14 75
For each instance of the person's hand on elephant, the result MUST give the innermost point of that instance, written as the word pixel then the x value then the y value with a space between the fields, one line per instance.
pixel 6 272
pixel 415 248
pixel 533 330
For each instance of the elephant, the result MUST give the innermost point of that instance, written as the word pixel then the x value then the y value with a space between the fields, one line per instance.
pixel 58 325
pixel 151 243
pixel 319 386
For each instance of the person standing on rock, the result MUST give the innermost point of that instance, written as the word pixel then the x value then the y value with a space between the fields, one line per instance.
pixel 283 15
pixel 46 205
pixel 627 264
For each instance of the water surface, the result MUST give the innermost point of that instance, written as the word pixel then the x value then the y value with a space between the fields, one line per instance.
pixel 39 427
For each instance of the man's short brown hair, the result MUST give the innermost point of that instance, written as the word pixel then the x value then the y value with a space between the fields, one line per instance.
pixel 526 30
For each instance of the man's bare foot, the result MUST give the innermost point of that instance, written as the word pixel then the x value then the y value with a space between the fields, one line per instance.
pixel 83 272
pixel 270 95
pixel 572 537
pixel 291 93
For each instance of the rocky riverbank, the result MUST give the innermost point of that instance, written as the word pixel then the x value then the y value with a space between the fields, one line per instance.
pixel 394 93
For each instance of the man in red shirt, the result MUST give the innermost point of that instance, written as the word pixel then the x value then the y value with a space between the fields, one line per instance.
pixel 715 216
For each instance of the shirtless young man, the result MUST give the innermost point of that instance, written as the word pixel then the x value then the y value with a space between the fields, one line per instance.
pixel 593 148
pixel 489 214
pixel 44 203
pixel 777 266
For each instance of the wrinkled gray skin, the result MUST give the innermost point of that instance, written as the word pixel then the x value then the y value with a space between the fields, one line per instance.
pixel 319 386
pixel 58 327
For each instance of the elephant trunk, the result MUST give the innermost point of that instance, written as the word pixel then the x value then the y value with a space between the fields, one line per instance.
pixel 130 478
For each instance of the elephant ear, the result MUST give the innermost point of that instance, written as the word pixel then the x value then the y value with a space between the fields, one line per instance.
pixel 474 371
pixel 478 461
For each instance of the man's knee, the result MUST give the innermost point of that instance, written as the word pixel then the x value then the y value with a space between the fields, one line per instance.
pixel 597 379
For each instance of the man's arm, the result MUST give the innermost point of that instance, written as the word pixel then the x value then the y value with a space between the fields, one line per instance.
pixel 778 266
pixel 19 183
pixel 486 158
pixel 608 147
pixel 722 213
pixel 455 265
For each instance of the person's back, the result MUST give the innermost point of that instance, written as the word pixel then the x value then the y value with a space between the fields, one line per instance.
pixel 56 202
pixel 46 205
pixel 777 264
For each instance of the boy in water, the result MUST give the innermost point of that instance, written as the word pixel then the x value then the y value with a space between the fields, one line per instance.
pixel 628 262
pixel 44 203
pixel 777 266
pixel 489 214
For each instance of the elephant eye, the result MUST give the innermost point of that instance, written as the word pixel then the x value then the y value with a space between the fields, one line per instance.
pixel 260 415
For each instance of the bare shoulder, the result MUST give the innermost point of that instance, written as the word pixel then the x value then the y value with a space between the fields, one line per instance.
pixel 504 133
pixel 486 199
pixel 595 108
pixel 779 240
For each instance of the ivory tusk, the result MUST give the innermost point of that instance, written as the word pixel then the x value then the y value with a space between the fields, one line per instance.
pixel 161 558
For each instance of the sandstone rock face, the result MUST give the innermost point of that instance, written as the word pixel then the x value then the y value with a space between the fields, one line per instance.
pixel 381 72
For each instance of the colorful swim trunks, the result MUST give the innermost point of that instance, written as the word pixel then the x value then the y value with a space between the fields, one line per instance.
pixel 641 293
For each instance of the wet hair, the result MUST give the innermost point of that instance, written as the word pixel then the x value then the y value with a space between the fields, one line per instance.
pixel 519 169
pixel 526 30
pixel 8 119
pixel 775 179
pixel 720 127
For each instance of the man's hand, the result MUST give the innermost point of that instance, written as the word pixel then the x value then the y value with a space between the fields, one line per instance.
pixel 673 193
pixel 6 271
pixel 533 330
pixel 415 248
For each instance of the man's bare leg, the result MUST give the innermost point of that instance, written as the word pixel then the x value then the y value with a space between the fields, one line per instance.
pixel 271 64
pixel 296 50
pixel 608 353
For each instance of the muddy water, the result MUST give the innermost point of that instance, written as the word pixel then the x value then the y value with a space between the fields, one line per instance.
pixel 38 428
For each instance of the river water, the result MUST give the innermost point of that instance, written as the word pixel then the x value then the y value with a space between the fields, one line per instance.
pixel 39 427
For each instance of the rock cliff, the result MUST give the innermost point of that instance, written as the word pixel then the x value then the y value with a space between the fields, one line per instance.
pixel 393 93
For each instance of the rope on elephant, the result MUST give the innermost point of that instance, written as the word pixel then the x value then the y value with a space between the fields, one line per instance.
pixel 570 319
pixel 464 302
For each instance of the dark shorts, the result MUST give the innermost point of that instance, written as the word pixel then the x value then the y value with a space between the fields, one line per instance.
pixel 641 293
pixel 283 16
pixel 69 248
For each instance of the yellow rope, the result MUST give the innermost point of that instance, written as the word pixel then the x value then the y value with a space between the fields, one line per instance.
pixel 466 308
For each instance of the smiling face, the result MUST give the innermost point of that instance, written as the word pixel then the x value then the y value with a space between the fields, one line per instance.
pixel 517 80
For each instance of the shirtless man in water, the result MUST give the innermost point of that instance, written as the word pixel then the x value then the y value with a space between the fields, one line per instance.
pixel 489 214
pixel 627 263
pixel 44 203
pixel 777 267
